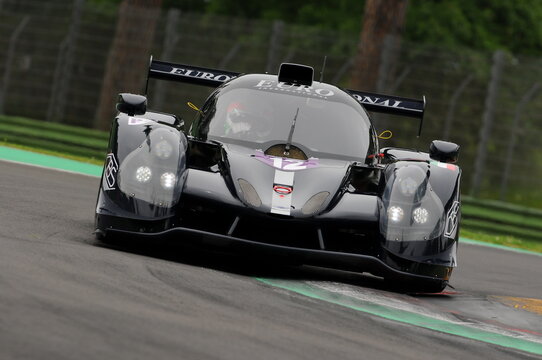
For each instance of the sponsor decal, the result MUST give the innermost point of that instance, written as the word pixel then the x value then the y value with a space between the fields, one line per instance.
pixel 283 185
pixel 444 165
pixel 452 219
pixel 294 88
pixel 138 121
pixel 200 74
pixel 286 163
pixel 282 190
pixel 110 172
pixel 375 100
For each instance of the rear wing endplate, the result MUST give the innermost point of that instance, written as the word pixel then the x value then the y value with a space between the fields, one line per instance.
pixel 387 104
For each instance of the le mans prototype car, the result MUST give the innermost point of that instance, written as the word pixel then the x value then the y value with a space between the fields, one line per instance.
pixel 286 167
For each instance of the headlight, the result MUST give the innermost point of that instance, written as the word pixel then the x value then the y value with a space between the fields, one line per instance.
pixel 167 180
pixel 395 213
pixel 143 174
pixel 408 186
pixel 163 149
pixel 420 215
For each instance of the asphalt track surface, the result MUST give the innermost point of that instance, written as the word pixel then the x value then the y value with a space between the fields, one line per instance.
pixel 63 295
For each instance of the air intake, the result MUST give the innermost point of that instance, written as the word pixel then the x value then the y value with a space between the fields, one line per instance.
pixel 249 193
pixel 314 204
pixel 296 74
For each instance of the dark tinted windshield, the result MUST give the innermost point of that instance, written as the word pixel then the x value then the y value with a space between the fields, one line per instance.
pixel 258 117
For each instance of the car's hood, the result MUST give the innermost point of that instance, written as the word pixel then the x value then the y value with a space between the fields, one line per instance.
pixel 298 188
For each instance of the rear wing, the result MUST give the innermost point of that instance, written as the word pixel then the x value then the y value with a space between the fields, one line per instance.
pixel 188 73
pixel 387 104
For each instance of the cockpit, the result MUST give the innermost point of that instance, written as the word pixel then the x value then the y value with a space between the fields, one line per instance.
pixel 259 112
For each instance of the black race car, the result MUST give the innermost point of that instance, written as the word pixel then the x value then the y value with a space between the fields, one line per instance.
pixel 288 167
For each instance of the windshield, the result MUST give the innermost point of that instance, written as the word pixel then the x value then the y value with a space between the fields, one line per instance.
pixel 259 117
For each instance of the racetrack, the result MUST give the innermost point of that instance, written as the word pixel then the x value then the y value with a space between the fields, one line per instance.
pixel 65 296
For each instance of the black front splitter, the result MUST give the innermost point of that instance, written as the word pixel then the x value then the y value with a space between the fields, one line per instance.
pixel 330 259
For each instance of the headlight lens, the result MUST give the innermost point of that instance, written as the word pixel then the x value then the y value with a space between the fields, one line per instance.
pixel 395 214
pixel 143 174
pixel 167 180
pixel 420 215
pixel 408 186
pixel 163 149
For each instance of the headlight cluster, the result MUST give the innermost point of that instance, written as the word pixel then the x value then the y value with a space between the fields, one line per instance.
pixel 163 149
pixel 395 214
pixel 408 186
pixel 144 174
pixel 167 180
pixel 419 215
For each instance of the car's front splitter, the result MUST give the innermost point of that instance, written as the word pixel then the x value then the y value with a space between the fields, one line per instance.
pixel 338 260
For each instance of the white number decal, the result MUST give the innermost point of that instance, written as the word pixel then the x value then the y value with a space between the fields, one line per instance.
pixel 295 165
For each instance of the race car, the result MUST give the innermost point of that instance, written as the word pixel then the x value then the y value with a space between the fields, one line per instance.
pixel 285 167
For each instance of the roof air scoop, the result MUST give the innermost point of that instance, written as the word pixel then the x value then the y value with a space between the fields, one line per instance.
pixel 296 74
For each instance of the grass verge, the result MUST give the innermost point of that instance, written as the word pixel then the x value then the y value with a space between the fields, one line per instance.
pixel 510 241
pixel 58 138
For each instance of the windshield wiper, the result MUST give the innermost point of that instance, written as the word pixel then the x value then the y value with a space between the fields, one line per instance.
pixel 289 142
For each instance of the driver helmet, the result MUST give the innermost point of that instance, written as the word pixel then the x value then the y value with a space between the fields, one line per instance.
pixel 244 120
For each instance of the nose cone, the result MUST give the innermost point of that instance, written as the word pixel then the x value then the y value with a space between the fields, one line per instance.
pixel 291 187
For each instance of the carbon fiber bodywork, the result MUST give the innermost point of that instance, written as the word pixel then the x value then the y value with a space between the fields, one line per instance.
pixel 394 213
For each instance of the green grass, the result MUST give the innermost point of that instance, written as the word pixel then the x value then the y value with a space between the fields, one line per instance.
pixel 497 218
pixel 501 206
pixel 83 141
pixel 58 128
pixel 505 240
pixel 493 227
pixel 505 217
pixel 58 138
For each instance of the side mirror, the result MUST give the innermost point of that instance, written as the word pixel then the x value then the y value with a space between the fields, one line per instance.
pixel 443 151
pixel 132 104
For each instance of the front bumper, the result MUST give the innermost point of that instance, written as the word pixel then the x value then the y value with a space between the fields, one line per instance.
pixel 385 265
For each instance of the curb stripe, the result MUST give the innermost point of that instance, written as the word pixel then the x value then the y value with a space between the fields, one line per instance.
pixel 49 161
pixel 406 317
